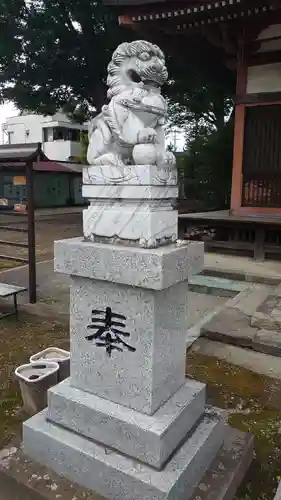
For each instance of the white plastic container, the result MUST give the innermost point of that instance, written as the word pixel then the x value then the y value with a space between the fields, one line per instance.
pixel 56 355
pixel 35 379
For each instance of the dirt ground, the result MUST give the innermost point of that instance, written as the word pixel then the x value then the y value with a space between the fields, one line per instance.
pixel 19 340
pixel 243 394
pixel 46 232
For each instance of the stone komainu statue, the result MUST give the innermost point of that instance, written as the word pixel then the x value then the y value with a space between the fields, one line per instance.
pixel 129 130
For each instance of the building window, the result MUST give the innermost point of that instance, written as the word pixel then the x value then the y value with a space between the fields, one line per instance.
pixel 61 134
pixel 10 137
pixel 48 134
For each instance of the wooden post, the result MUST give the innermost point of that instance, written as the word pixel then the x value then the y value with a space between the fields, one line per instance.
pixel 31 233
pixel 237 166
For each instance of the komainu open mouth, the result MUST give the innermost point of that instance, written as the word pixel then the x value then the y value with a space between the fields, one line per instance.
pixel 135 78
pixel 133 75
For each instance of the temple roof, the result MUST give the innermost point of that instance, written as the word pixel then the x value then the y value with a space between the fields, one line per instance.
pixel 191 13
pixel 189 3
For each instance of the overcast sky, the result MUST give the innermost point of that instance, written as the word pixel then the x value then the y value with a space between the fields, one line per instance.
pixel 6 110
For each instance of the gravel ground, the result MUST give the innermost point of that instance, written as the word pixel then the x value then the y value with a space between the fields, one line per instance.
pixel 46 232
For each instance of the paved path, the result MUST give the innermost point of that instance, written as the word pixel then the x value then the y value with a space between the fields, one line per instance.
pixel 243 268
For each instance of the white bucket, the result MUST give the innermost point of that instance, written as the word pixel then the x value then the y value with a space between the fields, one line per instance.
pixel 56 355
pixel 35 379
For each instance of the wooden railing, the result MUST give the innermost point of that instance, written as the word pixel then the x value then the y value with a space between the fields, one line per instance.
pixel 261 190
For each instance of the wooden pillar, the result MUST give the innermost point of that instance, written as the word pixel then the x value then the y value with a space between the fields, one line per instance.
pixel 31 233
pixel 237 166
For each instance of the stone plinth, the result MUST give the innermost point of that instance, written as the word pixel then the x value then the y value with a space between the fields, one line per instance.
pixel 150 439
pixel 133 203
pixel 153 269
pixel 116 476
pixel 127 424
pixel 156 320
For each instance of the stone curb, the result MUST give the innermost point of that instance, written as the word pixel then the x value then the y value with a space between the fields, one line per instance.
pixel 220 287
pixel 240 276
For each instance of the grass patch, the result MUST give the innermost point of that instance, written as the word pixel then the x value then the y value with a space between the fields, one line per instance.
pixel 251 400
pixel 9 264
pixel 19 340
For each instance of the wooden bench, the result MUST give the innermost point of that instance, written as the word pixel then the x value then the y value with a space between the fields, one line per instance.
pixel 8 291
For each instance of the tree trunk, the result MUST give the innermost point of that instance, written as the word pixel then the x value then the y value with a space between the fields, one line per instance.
pixel 219 113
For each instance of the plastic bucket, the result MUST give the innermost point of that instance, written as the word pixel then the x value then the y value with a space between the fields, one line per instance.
pixel 35 379
pixel 56 355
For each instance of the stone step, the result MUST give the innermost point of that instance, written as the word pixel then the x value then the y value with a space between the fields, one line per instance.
pixel 116 476
pixel 221 287
pixel 149 438
pixel 248 320
pixel 233 327
pixel 230 326
pixel 268 316
pixel 268 313
pixel 24 479
pixel 227 471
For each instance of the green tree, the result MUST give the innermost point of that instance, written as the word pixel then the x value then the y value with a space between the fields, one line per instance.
pixel 201 86
pixel 207 167
pixel 54 54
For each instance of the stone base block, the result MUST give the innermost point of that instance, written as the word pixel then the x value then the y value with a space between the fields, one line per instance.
pixel 155 269
pixel 137 222
pixel 116 476
pixel 150 439
pixel 25 479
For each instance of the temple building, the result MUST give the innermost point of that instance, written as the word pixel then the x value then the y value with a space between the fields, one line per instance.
pixel 248 33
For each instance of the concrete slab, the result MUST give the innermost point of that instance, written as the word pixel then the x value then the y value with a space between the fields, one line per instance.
pixel 268 314
pixel 24 479
pixel 248 300
pixel 119 477
pixel 211 285
pixel 252 319
pixel 268 341
pixel 230 326
pixel 243 269
pixel 228 470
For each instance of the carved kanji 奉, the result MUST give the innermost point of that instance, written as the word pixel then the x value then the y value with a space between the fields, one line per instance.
pixel 108 333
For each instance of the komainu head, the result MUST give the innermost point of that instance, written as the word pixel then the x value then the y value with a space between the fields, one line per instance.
pixel 136 64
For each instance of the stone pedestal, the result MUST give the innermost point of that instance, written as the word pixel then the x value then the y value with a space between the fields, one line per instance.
pixel 133 403
pixel 128 425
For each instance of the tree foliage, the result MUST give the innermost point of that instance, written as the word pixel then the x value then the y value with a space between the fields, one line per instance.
pixel 207 167
pixel 54 53
pixel 201 89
